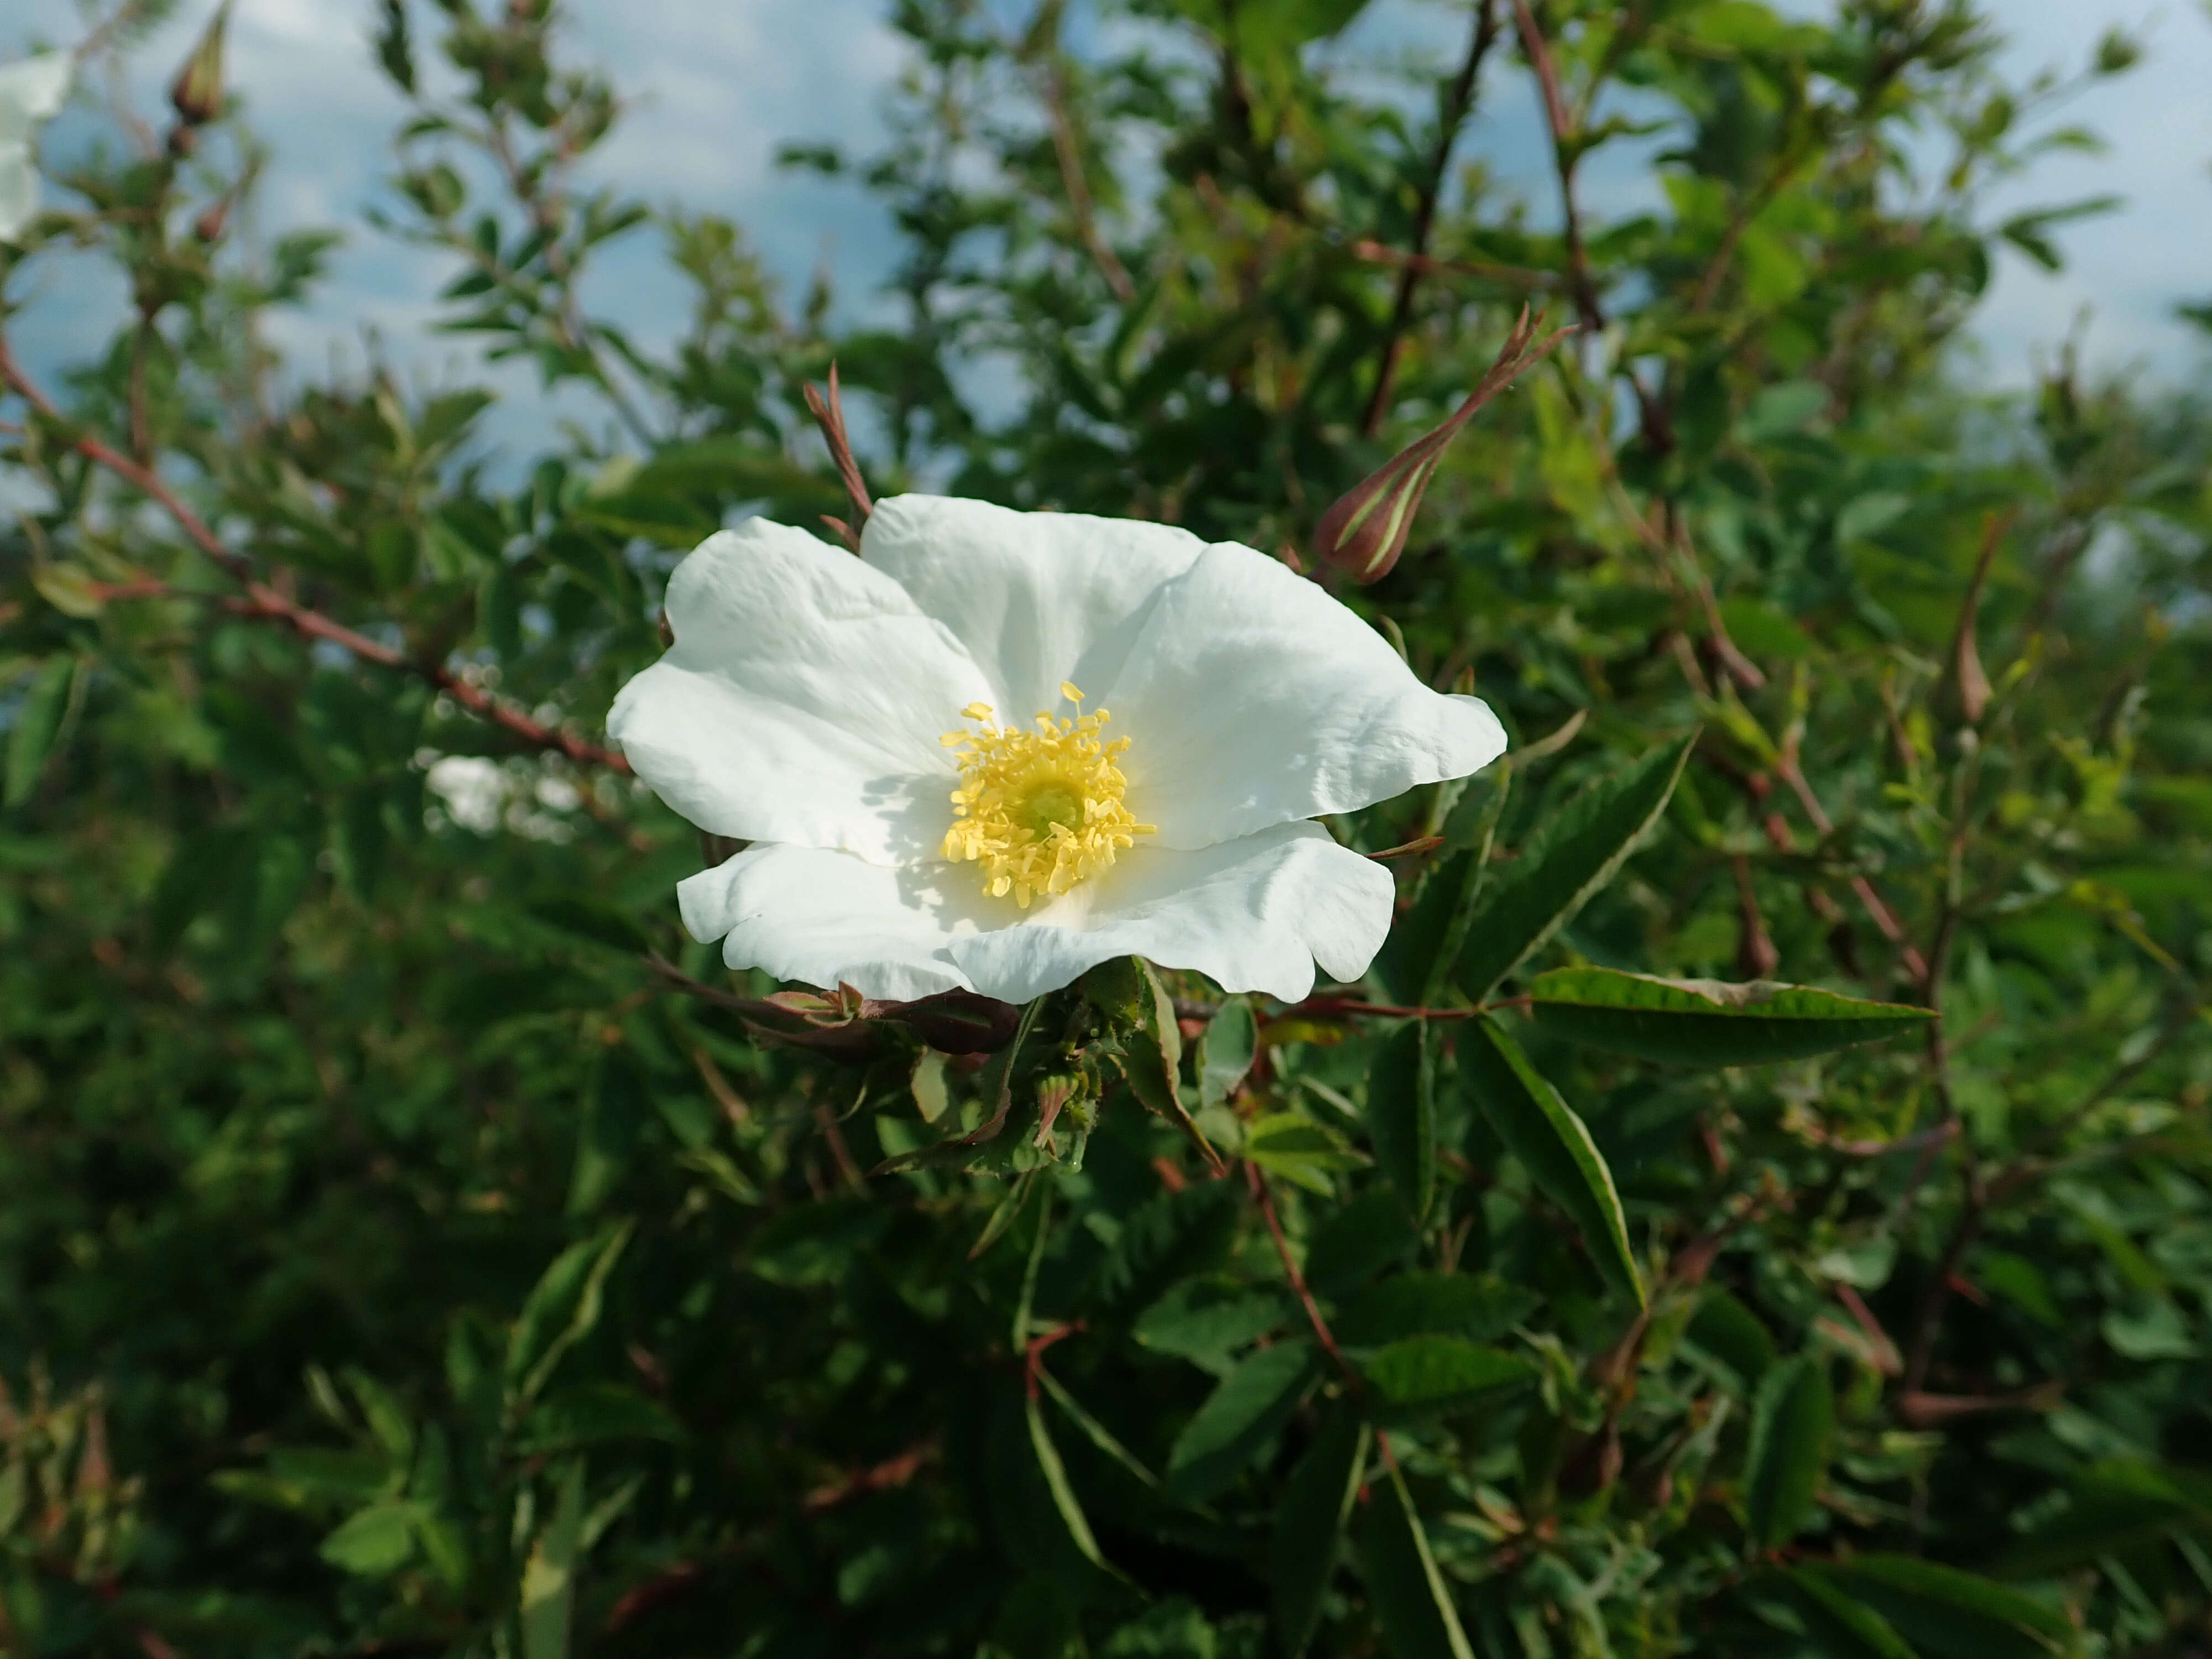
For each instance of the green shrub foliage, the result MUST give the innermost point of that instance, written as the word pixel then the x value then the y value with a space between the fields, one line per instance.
pixel 1759 1204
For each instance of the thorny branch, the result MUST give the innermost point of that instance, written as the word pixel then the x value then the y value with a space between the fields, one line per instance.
pixel 546 213
pixel 1258 1184
pixel 260 599
pixel 1457 99
pixel 1748 207
pixel 687 1576
pixel 1377 253
pixel 1758 786
pixel 1877 908
pixel 1566 156
pixel 1069 156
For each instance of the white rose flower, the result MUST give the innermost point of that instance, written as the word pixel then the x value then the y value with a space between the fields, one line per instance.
pixel 31 91
pixel 1000 748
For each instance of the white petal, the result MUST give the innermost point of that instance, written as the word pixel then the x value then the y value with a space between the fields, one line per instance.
pixel 32 90
pixel 825 918
pixel 19 189
pixel 1037 598
pixel 802 701
pixel 1252 698
pixel 1252 915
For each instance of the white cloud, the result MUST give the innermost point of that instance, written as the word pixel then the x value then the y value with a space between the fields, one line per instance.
pixel 716 87
pixel 2128 269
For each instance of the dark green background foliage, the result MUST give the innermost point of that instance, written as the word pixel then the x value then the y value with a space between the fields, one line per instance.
pixel 395 1260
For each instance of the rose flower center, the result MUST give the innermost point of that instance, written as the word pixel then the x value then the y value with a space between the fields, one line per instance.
pixel 1039 810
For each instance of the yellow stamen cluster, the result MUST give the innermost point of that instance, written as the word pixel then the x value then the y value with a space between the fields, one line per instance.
pixel 1040 810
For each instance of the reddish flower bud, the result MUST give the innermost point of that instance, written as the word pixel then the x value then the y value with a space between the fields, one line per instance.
pixel 197 93
pixel 1362 534
pixel 1963 695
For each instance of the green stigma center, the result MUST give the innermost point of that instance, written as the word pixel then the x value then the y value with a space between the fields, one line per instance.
pixel 1049 804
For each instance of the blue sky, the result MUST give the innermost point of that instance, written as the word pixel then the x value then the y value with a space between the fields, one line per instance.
pixel 719 84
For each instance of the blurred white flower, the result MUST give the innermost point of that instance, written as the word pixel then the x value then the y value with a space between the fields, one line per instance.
pixel 479 794
pixel 472 788
pixel 31 91
pixel 807 702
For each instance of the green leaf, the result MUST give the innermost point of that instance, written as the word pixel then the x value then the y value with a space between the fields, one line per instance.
pixel 1367 1234
pixel 1541 1131
pixel 1732 1333
pixel 359 837
pixel 1401 1116
pixel 613 1118
pixel 1567 859
pixel 1132 997
pixel 2027 231
pixel 594 1412
pixel 1226 1051
pixel 815 1243
pixel 1302 1151
pixel 1434 1304
pixel 1095 1431
pixel 1783 407
pixel 932 1092
pixel 561 1311
pixel 36 722
pixel 1865 517
pixel 1294 22
pixel 70 588
pixel 549 1577
pixel 1206 1322
pixel 1416 963
pixel 1268 28
pixel 374 1542
pixel 1702 1022
pixel 1063 1494
pixel 1421 1375
pixel 1793 1422
pixel 1847 1625
pixel 1239 1419
pixel 1946 1614
pixel 1026 1303
pixel 1003 1215
pixel 1130 994
pixel 387 1419
pixel 1310 1521
pixel 2115 1509
pixel 1411 1599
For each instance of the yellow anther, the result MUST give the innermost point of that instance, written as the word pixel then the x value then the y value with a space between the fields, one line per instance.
pixel 1068 689
pixel 1040 811
pixel 976 711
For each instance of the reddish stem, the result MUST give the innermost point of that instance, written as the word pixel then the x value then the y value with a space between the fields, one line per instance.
pixel 1325 1007
pixel 1033 1354
pixel 1258 1182
pixel 261 600
pixel 1458 99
